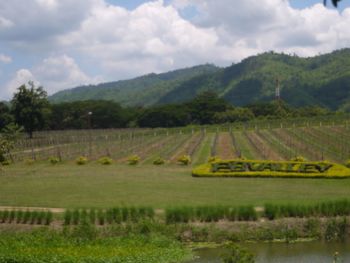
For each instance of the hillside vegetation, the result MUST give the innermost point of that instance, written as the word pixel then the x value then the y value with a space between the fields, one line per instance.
pixel 322 80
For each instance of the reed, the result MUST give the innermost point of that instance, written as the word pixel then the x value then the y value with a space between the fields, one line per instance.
pixel 19 216
pixel 101 217
pixel 5 216
pixel 48 218
pixel 34 217
pixel 75 216
pixel 67 217
pixel 12 216
pixel 327 209
pixel 26 216
pixel 92 216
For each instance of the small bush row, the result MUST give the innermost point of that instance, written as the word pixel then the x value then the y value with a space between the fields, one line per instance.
pixel 332 208
pixel 210 214
pixel 184 159
pixel 26 217
pixel 109 216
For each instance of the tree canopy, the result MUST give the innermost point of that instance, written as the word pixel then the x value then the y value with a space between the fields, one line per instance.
pixel 30 107
pixel 335 2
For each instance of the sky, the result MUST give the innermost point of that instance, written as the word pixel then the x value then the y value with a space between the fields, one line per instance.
pixel 62 44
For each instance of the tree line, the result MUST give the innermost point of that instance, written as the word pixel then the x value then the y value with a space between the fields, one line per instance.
pixel 30 109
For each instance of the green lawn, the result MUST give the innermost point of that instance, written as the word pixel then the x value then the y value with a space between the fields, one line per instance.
pixel 94 185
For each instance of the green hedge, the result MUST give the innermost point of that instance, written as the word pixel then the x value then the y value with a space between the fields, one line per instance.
pixel 258 168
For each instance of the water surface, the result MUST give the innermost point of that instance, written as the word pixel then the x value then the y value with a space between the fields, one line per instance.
pixel 281 252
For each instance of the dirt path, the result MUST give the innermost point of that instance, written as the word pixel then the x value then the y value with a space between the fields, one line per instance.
pixel 158 211
pixel 186 147
pixel 299 147
pixel 224 146
pixel 268 151
pixel 23 208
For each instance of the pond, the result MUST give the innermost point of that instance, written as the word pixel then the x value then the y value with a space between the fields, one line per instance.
pixel 305 252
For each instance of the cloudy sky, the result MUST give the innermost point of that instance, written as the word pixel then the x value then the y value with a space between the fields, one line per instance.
pixel 65 43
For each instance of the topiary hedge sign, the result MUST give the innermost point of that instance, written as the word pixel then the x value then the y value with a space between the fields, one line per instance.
pixel 254 168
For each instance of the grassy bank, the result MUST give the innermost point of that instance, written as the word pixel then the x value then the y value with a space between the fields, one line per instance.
pixel 88 244
pixel 152 242
pixel 71 186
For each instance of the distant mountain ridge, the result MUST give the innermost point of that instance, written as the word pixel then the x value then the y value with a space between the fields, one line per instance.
pixel 322 80
pixel 140 91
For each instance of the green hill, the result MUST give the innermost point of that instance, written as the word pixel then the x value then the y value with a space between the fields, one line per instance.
pixel 322 80
pixel 142 91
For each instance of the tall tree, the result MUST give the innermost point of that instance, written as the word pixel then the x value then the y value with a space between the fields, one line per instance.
pixel 205 105
pixel 30 107
pixel 335 2
pixel 5 115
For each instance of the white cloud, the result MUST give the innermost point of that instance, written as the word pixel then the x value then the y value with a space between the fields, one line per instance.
pixel 37 20
pixel 53 73
pixel 155 37
pixel 48 4
pixel 5 59
pixel 5 23
pixel 151 38
pixel 258 26
pixel 20 78
pixel 61 72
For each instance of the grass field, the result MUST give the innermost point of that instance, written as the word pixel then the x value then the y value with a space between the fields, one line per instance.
pixel 68 185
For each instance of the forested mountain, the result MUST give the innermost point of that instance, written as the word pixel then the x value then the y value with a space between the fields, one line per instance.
pixel 141 91
pixel 322 80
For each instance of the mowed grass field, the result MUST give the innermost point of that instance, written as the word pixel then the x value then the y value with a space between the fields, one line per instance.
pixel 68 185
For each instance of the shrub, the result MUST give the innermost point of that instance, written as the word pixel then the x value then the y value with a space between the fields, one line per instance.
pixel 258 168
pixel 336 229
pixel 298 159
pixel 159 161
pixel 54 160
pixel 185 160
pixel 81 160
pixel 6 162
pixel 105 160
pixel 347 164
pixel 133 160
pixel 213 159
pixel 312 227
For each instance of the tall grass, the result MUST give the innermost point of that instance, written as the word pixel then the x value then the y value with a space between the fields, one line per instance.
pixel 209 214
pixel 26 217
pixel 115 215
pixel 327 209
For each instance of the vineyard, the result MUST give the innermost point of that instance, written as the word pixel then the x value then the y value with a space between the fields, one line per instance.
pixel 313 139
